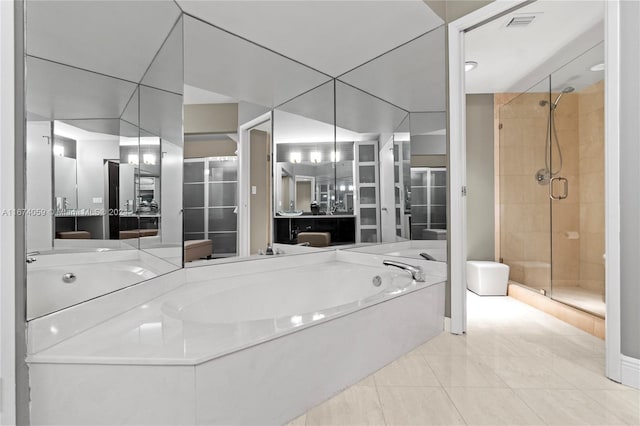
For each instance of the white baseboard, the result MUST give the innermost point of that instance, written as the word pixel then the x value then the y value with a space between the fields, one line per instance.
pixel 629 371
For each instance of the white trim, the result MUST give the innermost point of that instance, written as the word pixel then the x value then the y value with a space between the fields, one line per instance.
pixel 612 189
pixel 457 157
pixel 7 222
pixel 630 371
pixel 447 325
pixel 244 198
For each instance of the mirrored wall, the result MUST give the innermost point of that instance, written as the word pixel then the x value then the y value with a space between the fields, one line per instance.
pixel 188 145
pixel 104 149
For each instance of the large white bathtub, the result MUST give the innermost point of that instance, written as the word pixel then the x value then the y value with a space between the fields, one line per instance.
pixel 256 342
pixel 95 273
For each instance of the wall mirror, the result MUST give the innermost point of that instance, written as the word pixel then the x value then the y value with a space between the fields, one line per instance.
pixel 269 148
pixel 96 138
pixel 412 149
pixel 228 98
pixel 313 188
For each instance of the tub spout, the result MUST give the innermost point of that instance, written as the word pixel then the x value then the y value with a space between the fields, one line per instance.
pixel 416 272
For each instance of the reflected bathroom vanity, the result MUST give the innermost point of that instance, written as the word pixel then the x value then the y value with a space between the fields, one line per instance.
pixel 342 228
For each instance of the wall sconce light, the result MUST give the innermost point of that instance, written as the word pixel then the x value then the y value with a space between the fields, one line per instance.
pixel 350 187
pixel 335 156
pixel 58 150
pixel 316 156
pixel 133 159
pixel 149 159
pixel 295 157
pixel 343 188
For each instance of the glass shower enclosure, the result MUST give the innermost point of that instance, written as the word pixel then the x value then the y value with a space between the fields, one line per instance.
pixel 551 184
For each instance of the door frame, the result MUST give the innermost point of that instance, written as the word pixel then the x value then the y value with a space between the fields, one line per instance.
pixel 457 167
pixel 244 190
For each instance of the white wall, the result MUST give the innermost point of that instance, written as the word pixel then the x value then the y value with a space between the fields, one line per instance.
pixel 171 194
pixel 39 196
pixel 90 170
pixel 629 178
pixel 7 224
pixel 480 178
pixel 387 193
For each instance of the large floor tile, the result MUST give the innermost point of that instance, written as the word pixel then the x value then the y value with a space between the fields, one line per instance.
pixel 458 371
pixel 358 405
pixel 624 403
pixel 526 372
pixel 300 421
pixel 407 371
pixel 581 377
pixel 492 407
pixel 445 344
pixel 567 407
pixel 418 406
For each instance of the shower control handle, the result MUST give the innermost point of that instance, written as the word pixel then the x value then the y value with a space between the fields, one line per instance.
pixel 565 192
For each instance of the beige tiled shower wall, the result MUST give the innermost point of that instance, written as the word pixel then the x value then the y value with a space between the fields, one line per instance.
pixel 525 216
pixel 591 153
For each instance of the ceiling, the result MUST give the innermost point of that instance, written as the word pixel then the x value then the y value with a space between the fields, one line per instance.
pixel 330 36
pixel 512 59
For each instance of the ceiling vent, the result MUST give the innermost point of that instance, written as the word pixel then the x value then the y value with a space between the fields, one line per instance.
pixel 521 21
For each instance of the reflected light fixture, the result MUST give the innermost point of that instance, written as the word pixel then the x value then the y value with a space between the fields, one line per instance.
pixel 58 150
pixel 295 157
pixel 597 67
pixel 470 65
pixel 343 188
pixel 316 156
pixel 132 159
pixel 335 156
pixel 149 159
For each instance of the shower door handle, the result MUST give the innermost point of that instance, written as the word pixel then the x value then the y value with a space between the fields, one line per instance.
pixel 565 192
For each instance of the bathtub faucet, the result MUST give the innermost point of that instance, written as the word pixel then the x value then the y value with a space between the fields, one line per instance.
pixel 416 272
pixel 30 256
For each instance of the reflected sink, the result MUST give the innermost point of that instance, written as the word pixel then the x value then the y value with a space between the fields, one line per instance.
pixel 290 212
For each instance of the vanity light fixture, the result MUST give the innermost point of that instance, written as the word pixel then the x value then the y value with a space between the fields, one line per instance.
pixel 295 157
pixel 133 159
pixel 316 156
pixel 470 65
pixel 149 159
pixel 597 67
pixel 58 150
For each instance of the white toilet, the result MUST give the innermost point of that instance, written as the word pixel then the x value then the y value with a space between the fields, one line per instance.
pixel 487 278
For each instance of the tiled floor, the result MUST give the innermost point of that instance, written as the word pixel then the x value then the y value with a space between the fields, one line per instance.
pixel 515 366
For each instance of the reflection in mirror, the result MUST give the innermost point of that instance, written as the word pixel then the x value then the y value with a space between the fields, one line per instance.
pixel 313 198
pixel 158 187
pixel 369 124
pixel 412 78
pixel 227 103
pixel 83 136
pixel 428 197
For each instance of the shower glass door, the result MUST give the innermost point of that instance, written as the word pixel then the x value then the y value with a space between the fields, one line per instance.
pixel 576 192
pixel 524 175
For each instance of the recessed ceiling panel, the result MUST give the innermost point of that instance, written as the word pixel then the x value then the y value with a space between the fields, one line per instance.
pixel 330 36
pixel 222 63
pixel 514 58
pixel 118 38
pixel 57 91
pixel 411 76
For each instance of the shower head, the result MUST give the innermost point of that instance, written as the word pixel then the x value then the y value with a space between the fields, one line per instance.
pixel 567 89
